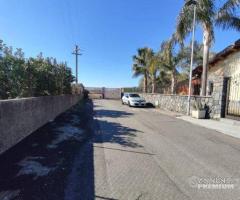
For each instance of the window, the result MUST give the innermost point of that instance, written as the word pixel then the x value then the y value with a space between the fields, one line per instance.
pixel 210 87
pixel 196 89
pixel 134 95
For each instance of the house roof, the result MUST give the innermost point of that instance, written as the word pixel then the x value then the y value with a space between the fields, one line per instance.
pixel 225 52
pixel 197 71
pixel 219 56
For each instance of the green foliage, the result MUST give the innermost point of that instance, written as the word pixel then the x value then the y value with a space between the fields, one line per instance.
pixel 205 16
pixel 161 69
pixel 172 62
pixel 227 16
pixel 21 77
pixel 132 89
pixel 141 63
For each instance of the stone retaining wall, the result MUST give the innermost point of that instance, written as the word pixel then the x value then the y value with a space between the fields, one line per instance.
pixel 178 103
pixel 20 117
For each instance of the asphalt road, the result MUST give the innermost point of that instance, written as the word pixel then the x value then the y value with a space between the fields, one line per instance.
pixel 107 151
pixel 142 154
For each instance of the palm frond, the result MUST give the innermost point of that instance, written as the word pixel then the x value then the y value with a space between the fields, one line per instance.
pixel 205 13
pixel 142 61
pixel 137 71
pixel 228 17
pixel 184 23
pixel 228 20
pixel 230 6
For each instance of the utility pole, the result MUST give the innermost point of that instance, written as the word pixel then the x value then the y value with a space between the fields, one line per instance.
pixel 77 53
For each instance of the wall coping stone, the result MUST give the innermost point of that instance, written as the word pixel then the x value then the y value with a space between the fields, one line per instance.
pixel 197 96
pixel 47 96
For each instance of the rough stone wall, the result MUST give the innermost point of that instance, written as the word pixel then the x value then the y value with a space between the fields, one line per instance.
pixel 20 117
pixel 229 67
pixel 178 103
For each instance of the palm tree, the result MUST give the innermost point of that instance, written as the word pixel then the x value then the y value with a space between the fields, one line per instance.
pixel 173 60
pixel 227 17
pixel 206 16
pixel 141 64
pixel 163 81
pixel 185 54
pixel 170 61
pixel 153 68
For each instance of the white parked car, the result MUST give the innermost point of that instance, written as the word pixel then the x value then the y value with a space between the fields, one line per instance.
pixel 132 99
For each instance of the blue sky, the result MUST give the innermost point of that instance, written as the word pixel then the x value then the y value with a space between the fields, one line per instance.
pixel 109 32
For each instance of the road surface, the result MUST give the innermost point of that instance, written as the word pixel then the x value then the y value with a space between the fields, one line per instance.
pixel 108 151
pixel 142 154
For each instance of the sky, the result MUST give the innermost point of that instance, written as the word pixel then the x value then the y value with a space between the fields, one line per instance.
pixel 108 31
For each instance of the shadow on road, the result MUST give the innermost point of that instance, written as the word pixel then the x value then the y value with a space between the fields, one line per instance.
pixel 81 182
pixel 111 132
pixel 57 160
pixel 112 113
pixel 39 166
pixel 149 105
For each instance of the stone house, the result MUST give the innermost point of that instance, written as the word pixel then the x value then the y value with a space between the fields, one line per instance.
pixel 224 82
pixel 223 89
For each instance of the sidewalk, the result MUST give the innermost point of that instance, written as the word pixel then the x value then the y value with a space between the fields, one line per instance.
pixel 225 126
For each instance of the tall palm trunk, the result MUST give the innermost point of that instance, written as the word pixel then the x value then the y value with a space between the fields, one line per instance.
pixel 154 84
pixel 206 48
pixel 145 86
pixel 174 81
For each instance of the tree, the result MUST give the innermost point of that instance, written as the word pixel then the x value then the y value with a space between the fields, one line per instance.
pixel 163 81
pixel 152 69
pixel 227 15
pixel 170 61
pixel 206 16
pixel 4 73
pixel 6 68
pixel 185 54
pixel 20 77
pixel 141 64
pixel 176 57
pixel 17 74
pixel 30 78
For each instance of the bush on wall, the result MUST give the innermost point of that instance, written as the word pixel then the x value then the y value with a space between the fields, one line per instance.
pixel 21 77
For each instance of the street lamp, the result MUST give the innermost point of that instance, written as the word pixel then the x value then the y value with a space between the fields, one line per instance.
pixel 190 3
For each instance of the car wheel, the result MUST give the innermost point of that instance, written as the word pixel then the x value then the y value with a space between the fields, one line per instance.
pixel 122 102
pixel 129 104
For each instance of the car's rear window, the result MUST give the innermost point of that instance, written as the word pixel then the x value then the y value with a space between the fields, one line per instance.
pixel 134 95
